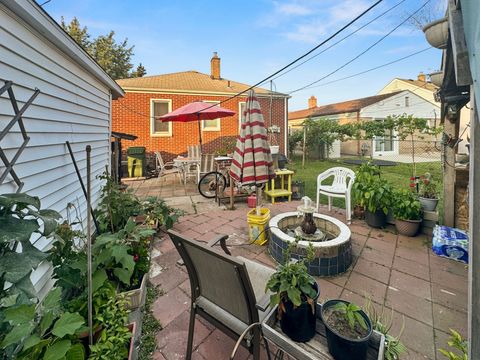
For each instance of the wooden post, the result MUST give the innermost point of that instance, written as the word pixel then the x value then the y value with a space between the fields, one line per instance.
pixel 304 145
pixel 474 233
pixel 449 177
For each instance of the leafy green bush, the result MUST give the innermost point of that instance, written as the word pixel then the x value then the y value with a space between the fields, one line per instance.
pixel 364 176
pixel 407 206
pixel 378 195
pixel 456 342
pixel 427 187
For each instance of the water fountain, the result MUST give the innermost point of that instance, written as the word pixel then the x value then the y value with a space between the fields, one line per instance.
pixel 329 236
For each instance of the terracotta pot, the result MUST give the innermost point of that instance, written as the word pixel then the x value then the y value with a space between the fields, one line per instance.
pixel 436 33
pixel 407 227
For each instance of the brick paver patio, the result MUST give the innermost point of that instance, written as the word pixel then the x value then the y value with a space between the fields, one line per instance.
pixel 401 273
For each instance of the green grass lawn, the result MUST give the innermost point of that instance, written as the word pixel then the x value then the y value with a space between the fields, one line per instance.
pixel 398 175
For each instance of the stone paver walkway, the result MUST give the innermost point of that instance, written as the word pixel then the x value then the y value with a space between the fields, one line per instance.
pixel 427 292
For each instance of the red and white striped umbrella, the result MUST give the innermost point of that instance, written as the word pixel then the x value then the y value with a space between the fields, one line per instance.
pixel 252 161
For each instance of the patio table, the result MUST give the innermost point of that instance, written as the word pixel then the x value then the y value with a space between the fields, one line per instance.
pixel 186 163
pixel 315 349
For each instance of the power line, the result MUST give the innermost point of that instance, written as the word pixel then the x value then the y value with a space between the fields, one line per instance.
pixel 361 53
pixel 286 66
pixel 339 41
pixel 372 69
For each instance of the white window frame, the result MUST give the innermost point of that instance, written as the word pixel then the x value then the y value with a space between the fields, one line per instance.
pixel 395 143
pixel 152 119
pixel 216 128
pixel 240 103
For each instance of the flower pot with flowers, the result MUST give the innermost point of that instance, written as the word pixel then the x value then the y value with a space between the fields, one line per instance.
pixel 408 212
pixel 427 192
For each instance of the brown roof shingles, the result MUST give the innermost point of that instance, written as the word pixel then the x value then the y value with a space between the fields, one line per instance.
pixel 189 81
pixel 339 108
pixel 422 84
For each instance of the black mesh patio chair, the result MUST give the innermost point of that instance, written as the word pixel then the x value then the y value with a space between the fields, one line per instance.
pixel 227 291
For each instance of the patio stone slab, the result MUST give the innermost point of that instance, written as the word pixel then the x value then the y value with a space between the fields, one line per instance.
pixel 441 342
pixel 446 318
pixel 328 290
pixel 380 245
pixel 220 346
pixel 410 284
pixel 453 281
pixel 377 256
pixel 372 270
pixel 167 307
pixel 418 255
pixel 366 286
pixel 411 267
pixel 410 305
pixel 178 200
pixel 449 297
pixel 383 235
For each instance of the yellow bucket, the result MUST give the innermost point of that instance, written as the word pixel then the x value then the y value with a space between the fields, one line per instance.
pixel 257 225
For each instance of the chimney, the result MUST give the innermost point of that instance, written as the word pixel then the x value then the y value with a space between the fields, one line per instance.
pixel 215 67
pixel 422 77
pixel 312 102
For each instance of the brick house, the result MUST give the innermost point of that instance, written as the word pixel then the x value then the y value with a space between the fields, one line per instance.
pixel 149 97
pixel 372 108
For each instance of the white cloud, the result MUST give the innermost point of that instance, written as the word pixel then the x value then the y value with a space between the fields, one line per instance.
pixel 294 9
pixel 347 10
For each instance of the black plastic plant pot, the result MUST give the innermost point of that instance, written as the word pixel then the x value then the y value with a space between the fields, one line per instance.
pixel 341 347
pixel 299 323
pixel 378 219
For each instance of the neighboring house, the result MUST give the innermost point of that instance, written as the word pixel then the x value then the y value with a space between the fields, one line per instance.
pixel 427 90
pixel 74 104
pixel 373 108
pixel 150 97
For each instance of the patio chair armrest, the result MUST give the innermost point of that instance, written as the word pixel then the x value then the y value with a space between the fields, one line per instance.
pixel 220 239
pixel 263 303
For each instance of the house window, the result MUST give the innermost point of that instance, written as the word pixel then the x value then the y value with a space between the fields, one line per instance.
pixel 159 107
pixel 407 101
pixel 241 116
pixel 211 125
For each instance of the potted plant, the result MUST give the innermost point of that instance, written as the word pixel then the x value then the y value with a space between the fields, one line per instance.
pixel 348 329
pixel 296 293
pixel 436 33
pixel 408 212
pixel 377 199
pixel 427 192
pixel 365 174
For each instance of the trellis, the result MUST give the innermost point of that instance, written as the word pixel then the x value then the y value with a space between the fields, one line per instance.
pixel 17 118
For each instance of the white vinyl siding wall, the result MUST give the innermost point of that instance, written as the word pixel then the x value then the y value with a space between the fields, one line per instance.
pixel 72 106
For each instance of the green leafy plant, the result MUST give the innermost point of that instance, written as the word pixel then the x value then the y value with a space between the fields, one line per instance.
pixel 407 206
pixel 377 195
pixel 114 338
pixel 43 331
pixel 383 323
pixel 366 174
pixel 457 343
pixel 427 187
pixel 351 313
pixel 150 325
pixel 21 219
pixel 291 281
pixel 157 211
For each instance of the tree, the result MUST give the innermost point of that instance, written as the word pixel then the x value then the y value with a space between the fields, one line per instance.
pixel 113 57
pixel 140 71
pixel 434 10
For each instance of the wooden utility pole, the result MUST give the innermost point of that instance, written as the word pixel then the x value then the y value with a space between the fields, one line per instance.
pixel 449 177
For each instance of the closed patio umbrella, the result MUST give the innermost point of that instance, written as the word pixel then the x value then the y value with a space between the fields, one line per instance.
pixel 197 111
pixel 252 161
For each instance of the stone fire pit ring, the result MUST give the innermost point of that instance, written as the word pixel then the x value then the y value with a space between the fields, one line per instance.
pixel 332 256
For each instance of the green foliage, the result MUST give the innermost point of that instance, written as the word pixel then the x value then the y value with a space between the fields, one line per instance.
pixel 42 332
pixel 351 313
pixel 156 210
pixel 150 325
pixel 113 57
pixel 366 174
pixel 295 138
pixel 291 281
pixel 115 336
pixel 427 187
pixel 457 343
pixel 383 323
pixel 378 195
pixel 20 220
pixel 406 205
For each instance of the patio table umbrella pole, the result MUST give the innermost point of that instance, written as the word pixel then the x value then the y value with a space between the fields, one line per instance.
pixel 252 161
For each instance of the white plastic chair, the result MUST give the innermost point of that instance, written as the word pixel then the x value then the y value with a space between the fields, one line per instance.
pixel 341 187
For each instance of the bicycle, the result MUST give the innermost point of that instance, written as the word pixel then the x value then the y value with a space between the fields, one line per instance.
pixel 215 182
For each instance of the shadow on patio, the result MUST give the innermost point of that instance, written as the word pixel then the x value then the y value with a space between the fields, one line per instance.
pixel 399 272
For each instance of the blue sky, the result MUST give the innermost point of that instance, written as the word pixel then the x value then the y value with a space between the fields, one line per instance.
pixel 254 38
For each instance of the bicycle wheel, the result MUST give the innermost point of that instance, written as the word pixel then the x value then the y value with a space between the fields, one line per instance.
pixel 211 181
